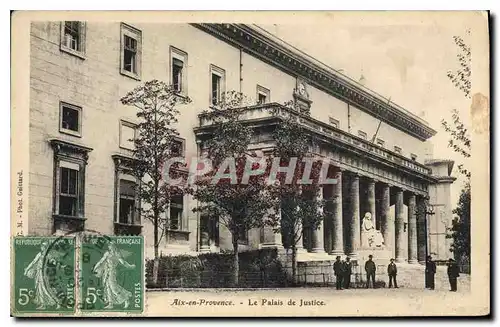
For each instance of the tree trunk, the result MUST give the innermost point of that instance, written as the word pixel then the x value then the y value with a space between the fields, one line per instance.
pixel 156 266
pixel 294 265
pixel 236 262
pixel 156 244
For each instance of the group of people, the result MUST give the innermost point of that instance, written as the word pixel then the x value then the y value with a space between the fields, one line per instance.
pixel 343 271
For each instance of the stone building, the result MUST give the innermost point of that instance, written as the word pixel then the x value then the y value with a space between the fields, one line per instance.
pixel 79 135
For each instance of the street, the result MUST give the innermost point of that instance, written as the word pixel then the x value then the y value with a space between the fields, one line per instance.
pixel 313 301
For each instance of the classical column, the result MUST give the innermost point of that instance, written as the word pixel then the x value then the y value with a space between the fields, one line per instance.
pixel 412 229
pixel 371 200
pixel 386 222
pixel 421 231
pixel 355 228
pixel 318 245
pixel 269 238
pixel 399 224
pixel 337 228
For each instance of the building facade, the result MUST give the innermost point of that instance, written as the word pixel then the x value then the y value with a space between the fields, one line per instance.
pixel 80 134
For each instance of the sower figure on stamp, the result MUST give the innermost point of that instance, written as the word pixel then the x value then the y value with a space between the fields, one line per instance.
pixel 430 271
pixel 392 271
pixel 370 269
pixel 347 272
pixel 453 274
pixel 338 271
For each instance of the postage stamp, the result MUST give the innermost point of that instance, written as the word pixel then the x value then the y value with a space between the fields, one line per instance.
pixel 112 273
pixel 44 275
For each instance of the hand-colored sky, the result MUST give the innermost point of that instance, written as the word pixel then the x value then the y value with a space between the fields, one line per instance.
pixel 402 56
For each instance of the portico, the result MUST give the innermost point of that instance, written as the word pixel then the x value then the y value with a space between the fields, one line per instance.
pixel 370 179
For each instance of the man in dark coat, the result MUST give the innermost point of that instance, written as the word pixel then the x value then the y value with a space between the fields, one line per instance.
pixel 430 271
pixel 453 274
pixel 338 271
pixel 347 272
pixel 370 269
pixel 392 271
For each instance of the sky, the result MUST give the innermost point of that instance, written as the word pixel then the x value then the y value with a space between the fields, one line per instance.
pixel 402 56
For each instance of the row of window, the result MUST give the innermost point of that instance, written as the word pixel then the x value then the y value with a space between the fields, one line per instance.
pixel 70 200
pixel 380 142
pixel 73 41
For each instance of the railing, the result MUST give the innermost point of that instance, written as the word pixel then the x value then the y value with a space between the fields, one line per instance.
pixel 277 110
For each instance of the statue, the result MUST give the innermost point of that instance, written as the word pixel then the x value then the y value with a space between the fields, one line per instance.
pixel 370 237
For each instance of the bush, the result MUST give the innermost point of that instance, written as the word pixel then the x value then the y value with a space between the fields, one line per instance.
pixel 258 268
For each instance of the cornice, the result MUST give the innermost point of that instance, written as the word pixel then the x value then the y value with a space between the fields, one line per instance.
pixel 339 86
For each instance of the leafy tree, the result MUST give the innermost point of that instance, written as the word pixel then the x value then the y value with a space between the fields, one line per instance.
pixel 460 230
pixel 460 142
pixel 300 208
pixel 156 104
pixel 222 193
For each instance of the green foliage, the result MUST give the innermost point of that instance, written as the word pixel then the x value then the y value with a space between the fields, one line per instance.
pixel 460 142
pixel 258 268
pixel 460 230
pixel 300 207
pixel 461 78
pixel 460 139
pixel 238 206
pixel 156 104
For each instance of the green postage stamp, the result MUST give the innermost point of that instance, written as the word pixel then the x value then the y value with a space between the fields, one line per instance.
pixel 111 274
pixel 78 275
pixel 44 275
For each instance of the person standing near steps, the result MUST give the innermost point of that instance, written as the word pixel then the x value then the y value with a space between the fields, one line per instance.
pixel 453 274
pixel 430 271
pixel 392 271
pixel 338 270
pixel 370 269
pixel 347 272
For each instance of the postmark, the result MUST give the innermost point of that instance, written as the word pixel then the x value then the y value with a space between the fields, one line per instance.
pixel 44 271
pixel 112 274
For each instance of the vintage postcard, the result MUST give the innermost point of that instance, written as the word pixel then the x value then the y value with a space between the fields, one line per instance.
pixel 202 164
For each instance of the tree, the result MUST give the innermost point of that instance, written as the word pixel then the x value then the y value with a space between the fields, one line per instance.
pixel 300 208
pixel 223 193
pixel 460 142
pixel 460 230
pixel 156 103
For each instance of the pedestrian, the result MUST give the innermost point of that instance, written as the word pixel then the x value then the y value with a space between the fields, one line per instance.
pixel 347 272
pixel 370 269
pixel 338 271
pixel 392 271
pixel 453 274
pixel 430 271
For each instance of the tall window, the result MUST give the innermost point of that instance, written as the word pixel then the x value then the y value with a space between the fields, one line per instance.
pixel 68 191
pixel 176 209
pixel 73 37
pixel 177 149
pixel 127 202
pixel 130 51
pixel 127 135
pixel 177 67
pixel 70 161
pixel 178 70
pixel 218 77
pixel 130 55
pixel 70 119
pixel 263 95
